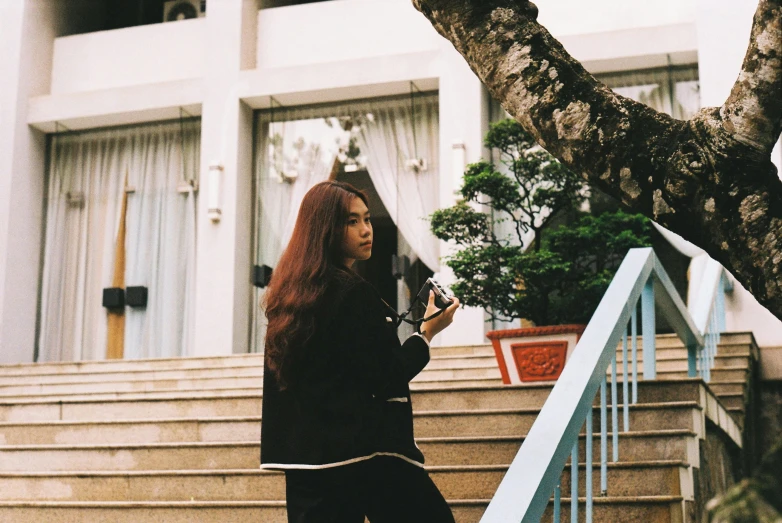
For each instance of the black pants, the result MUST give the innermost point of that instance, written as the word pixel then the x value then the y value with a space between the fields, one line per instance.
pixel 385 489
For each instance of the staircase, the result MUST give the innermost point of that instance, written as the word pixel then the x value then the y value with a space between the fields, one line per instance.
pixel 178 440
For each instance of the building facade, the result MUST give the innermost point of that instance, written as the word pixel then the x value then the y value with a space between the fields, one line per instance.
pixel 171 156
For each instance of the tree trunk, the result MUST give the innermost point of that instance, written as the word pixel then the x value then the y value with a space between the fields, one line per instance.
pixel 709 179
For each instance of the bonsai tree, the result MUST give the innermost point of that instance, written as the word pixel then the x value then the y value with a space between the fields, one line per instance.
pixel 557 279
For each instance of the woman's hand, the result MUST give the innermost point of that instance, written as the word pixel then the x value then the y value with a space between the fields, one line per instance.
pixel 429 329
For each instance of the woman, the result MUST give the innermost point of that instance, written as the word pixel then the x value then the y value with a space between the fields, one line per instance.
pixel 337 414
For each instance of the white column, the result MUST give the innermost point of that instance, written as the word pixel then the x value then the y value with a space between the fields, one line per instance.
pixel 27 31
pixel 463 120
pixel 223 252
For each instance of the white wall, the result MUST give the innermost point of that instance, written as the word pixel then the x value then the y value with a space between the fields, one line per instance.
pixel 345 30
pixel 133 56
pixel 568 17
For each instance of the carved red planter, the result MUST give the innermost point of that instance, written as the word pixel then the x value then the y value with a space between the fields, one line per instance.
pixel 534 353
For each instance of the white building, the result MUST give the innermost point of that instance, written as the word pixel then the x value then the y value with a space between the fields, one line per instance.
pixel 198 138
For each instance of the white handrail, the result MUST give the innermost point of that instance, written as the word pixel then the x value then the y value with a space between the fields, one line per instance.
pixel 701 307
pixel 535 471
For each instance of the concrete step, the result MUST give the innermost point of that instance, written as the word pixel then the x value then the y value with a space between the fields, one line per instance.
pixel 633 446
pixel 506 422
pixel 221 403
pixel 142 379
pixel 679 351
pixel 498 422
pixel 673 341
pixel 109 366
pixel 467 482
pixel 124 457
pixel 131 395
pixel 144 512
pixel 139 431
pixel 668 363
pixel 728 387
pixel 717 374
pixel 651 509
pixel 679 445
pixel 112 376
pixel 532 395
pixel 648 509
pixel 146 385
pixel 470 376
pixel 456 383
pixel 182 405
pixel 733 401
pixel 652 478
pixel 462 350
pixel 461 362
pixel 458 373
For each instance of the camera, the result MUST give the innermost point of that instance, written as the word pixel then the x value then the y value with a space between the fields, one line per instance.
pixel 442 299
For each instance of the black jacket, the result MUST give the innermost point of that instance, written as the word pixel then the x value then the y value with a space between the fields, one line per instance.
pixel 350 398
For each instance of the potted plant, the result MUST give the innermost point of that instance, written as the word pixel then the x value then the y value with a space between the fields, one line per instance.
pixel 517 264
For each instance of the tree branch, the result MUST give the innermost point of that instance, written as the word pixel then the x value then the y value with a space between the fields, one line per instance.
pixel 699 178
pixel 753 111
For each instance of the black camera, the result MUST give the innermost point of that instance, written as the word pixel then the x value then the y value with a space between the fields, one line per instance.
pixel 442 299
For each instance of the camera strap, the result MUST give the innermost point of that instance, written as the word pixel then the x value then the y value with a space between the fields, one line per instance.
pixel 403 317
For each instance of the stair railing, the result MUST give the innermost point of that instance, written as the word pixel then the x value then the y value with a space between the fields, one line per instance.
pixel 708 312
pixel 536 471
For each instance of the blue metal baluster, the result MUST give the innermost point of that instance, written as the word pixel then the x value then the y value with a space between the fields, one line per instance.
pixel 692 360
pixel 614 410
pixel 721 305
pixel 625 382
pixel 713 337
pixel 634 334
pixel 714 334
pixel 649 331
pixel 588 484
pixel 557 502
pixel 603 439
pixel 709 362
pixel 574 483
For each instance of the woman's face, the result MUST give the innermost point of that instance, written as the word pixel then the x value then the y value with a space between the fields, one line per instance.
pixel 357 243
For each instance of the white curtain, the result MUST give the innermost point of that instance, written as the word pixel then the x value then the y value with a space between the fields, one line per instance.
pixel 87 173
pixel 296 149
pixel 306 141
pixel 161 239
pixel 673 91
pixel 400 131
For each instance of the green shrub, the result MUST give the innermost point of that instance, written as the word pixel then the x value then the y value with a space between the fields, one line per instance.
pixel 558 279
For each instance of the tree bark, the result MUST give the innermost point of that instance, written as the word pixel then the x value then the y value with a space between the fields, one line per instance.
pixel 709 179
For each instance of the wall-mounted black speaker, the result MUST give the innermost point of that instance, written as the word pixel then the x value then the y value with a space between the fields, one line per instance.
pixel 136 296
pixel 262 274
pixel 114 297
pixel 400 266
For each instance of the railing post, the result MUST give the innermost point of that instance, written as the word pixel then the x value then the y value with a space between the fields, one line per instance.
pixel 588 459
pixel 634 335
pixel 625 382
pixel 692 361
pixel 614 411
pixel 574 483
pixel 721 305
pixel 604 438
pixel 649 331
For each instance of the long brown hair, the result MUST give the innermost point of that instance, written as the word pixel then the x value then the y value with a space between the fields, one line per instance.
pixel 311 261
